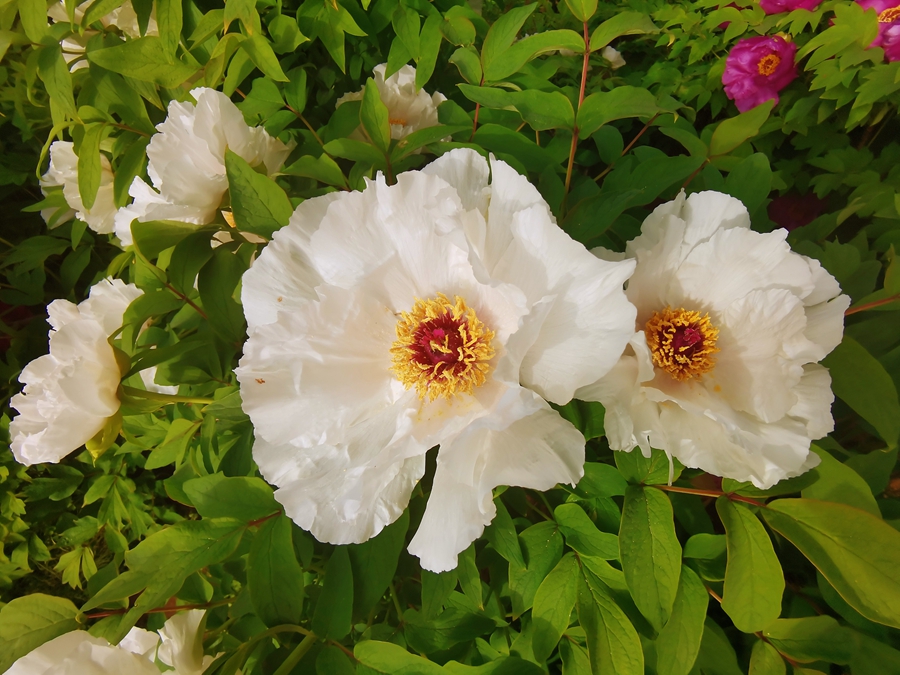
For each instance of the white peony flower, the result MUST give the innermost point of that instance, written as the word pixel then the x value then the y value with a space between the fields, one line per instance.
pixel 409 109
pixel 71 392
pixel 182 643
pixel 123 17
pixel 440 310
pixel 80 653
pixel 187 162
pixel 613 56
pixel 722 372
pixel 63 172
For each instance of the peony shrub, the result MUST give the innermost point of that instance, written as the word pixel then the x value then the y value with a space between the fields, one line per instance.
pixel 396 337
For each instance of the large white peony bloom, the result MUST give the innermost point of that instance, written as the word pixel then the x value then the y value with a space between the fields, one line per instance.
pixel 722 372
pixel 409 109
pixel 440 310
pixel 179 645
pixel 187 162
pixel 63 172
pixel 71 392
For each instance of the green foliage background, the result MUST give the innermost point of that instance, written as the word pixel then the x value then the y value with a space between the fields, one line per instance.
pixel 624 574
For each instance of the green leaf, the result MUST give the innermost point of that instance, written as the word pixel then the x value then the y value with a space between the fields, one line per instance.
pixel 159 565
pixel 650 552
pixel 131 164
pixel 56 77
pixel 335 605
pixel 601 480
pixel 374 564
pixel 458 30
pixel 169 19
pixel 242 497
pixel 603 107
pixel 612 641
pixel 582 9
pixel 332 661
pixel 678 643
pixel 286 35
pixel 717 656
pixel 323 169
pixel 553 604
pixel 406 25
pixel 653 470
pixel 754 582
pixel 417 139
pixel 436 588
pixel 295 90
pixel 239 9
pixel 384 657
pixel 582 535
pixel 857 553
pixel 837 482
pixel 765 660
pixel 347 148
pixel 623 23
pixel 468 63
pixel 33 15
pixel 501 533
pixel 258 204
pixel 511 60
pixel 89 170
pixel 815 638
pixel 544 110
pixel 217 282
pixel 155 236
pixel 29 621
pixel 470 577
pixel 144 59
pixel 542 545
pixel 373 115
pixel 860 380
pixel 274 576
pixel 260 52
pixel 734 131
pixel 429 48
pixel 502 34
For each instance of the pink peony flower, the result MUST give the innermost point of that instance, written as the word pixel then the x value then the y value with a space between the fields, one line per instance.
pixel 758 68
pixel 778 6
pixel 888 26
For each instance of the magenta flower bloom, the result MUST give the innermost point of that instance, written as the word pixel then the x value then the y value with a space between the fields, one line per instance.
pixel 779 6
pixel 888 26
pixel 757 68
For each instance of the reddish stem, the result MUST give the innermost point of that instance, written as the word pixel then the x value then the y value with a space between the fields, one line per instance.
pixel 710 493
pixel 575 130
pixel 873 304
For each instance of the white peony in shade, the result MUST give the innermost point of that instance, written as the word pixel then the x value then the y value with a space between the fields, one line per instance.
pixel 71 392
pixel 350 369
pixel 409 108
pixel 179 645
pixel 63 172
pixel 722 372
pixel 187 162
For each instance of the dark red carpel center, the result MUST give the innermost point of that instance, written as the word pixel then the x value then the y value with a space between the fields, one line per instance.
pixel 438 341
pixel 686 340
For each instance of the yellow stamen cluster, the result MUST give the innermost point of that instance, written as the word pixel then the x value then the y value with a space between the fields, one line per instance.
pixel 397 120
pixel 889 15
pixel 768 64
pixel 682 342
pixel 442 348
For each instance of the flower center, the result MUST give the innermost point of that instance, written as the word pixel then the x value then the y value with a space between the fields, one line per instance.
pixel 768 64
pixel 682 342
pixel 889 15
pixel 397 120
pixel 441 348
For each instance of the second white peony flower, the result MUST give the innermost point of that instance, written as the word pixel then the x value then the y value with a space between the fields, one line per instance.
pixel 442 310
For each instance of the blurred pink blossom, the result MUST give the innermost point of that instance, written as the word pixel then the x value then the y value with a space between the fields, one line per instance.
pixel 888 26
pixel 758 68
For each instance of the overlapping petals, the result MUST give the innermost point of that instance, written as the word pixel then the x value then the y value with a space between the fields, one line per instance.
pixel 779 6
pixel 888 37
pixel 63 172
pixel 71 392
pixel 336 430
pixel 187 162
pixel 777 313
pixel 757 68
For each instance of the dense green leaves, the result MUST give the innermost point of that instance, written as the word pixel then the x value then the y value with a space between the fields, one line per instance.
pixel 335 604
pixel 613 643
pixel 28 622
pixel 651 554
pixel 274 576
pixel 144 59
pixel 553 605
pixel 678 643
pixel 754 582
pixel 258 204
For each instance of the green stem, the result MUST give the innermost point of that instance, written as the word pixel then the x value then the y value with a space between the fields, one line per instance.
pixel 297 655
pixel 575 131
pixel 167 398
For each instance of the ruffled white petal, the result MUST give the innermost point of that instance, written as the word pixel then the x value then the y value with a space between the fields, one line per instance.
pixel 80 653
pixel 535 451
pixel 182 643
pixel 71 392
pixel 63 172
